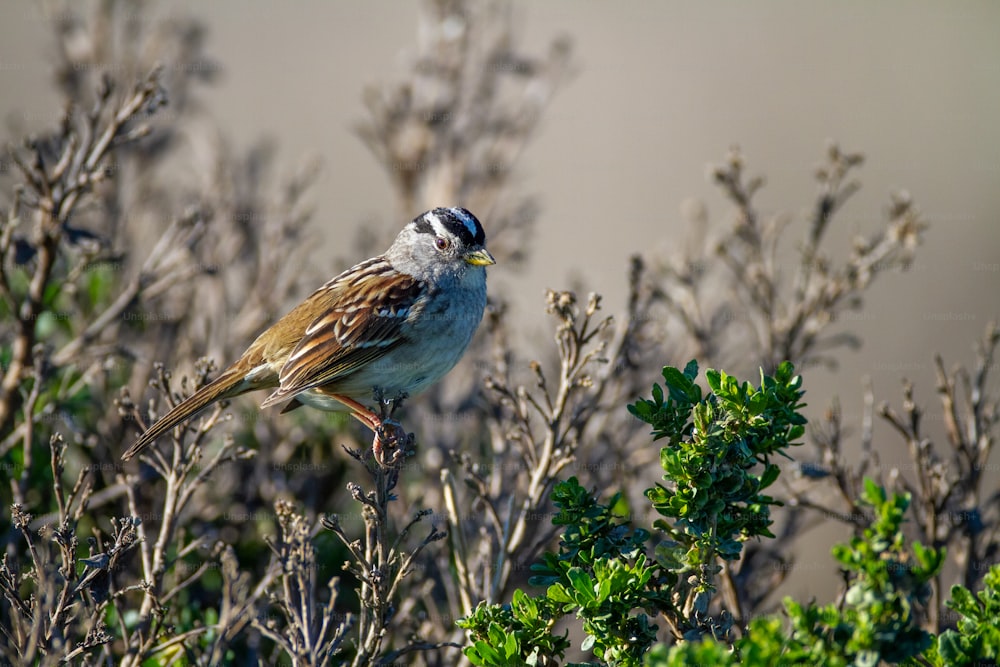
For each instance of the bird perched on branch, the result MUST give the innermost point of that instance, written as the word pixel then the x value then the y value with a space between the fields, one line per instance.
pixel 397 323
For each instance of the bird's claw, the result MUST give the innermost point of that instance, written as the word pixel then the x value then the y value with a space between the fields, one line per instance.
pixel 391 443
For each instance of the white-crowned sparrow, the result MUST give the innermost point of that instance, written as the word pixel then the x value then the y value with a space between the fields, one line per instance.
pixel 397 322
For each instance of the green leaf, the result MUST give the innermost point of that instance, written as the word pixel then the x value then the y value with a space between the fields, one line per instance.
pixel 511 647
pixel 682 388
pixel 951 649
pixel 873 493
pixel 484 655
pixel 582 584
pixel 558 594
pixel 963 601
pixel 714 380
pixel 931 560
pixel 769 476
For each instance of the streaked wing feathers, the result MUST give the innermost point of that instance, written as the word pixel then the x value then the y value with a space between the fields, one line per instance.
pixel 357 328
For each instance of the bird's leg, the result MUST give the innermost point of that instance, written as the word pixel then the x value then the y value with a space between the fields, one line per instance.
pixel 389 446
pixel 379 424
pixel 360 412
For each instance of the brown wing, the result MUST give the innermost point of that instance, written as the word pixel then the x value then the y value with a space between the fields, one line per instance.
pixel 362 322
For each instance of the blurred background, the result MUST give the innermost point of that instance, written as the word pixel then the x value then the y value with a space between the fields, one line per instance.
pixel 659 90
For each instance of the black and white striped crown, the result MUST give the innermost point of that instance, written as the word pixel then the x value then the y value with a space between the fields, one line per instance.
pixel 458 222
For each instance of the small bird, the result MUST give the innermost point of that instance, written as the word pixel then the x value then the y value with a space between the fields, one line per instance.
pixel 397 322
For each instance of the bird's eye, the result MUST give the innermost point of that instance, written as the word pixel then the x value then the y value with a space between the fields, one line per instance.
pixel 441 243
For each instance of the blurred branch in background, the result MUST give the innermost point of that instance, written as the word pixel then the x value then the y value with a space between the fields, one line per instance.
pixel 731 298
pixel 56 173
pixel 451 132
pixel 113 242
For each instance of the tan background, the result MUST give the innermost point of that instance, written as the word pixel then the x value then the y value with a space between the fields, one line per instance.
pixel 662 89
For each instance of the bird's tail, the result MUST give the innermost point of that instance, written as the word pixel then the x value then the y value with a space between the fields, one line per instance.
pixel 226 385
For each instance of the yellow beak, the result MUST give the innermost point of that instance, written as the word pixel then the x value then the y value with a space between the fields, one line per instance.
pixel 481 257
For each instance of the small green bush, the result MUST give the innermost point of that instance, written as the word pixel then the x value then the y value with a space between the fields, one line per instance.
pixel 608 574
